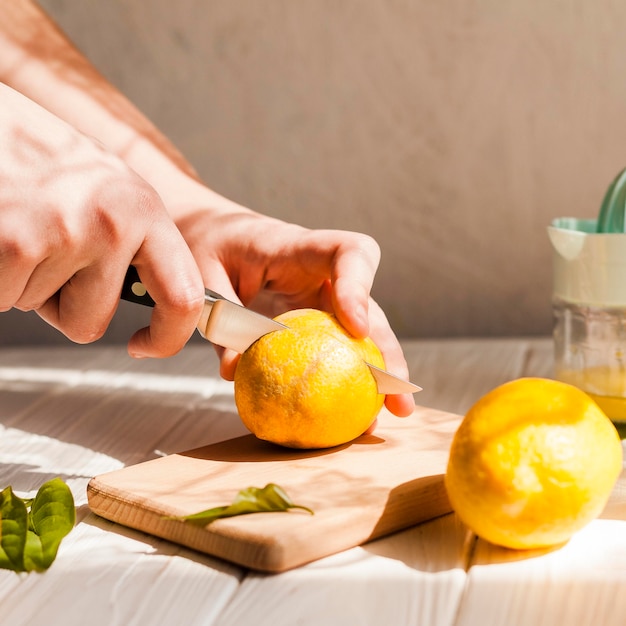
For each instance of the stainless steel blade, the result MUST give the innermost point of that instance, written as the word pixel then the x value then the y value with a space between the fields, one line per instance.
pixel 231 325
pixel 389 383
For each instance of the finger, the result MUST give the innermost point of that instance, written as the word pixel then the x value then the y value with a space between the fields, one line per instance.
pixel 49 277
pixel 372 427
pixel 83 307
pixel 228 362
pixel 13 285
pixel 171 276
pixel 401 405
pixel 349 260
pixel 214 274
pixel 20 257
pixel 215 277
pixel 352 277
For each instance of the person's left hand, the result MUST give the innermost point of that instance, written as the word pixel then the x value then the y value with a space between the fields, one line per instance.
pixel 272 266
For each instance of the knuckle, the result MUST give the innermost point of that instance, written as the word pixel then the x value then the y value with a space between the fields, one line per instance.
pixel 146 199
pixel 369 245
pixel 360 243
pixel 141 204
pixel 19 250
pixel 185 303
pixel 106 227
pixel 364 247
pixel 145 196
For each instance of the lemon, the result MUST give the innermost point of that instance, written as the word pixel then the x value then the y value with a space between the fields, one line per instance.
pixel 308 386
pixel 532 462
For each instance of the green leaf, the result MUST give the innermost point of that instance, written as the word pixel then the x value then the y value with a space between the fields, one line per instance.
pixel 32 529
pixel 270 498
pixel 33 553
pixel 52 515
pixel 13 527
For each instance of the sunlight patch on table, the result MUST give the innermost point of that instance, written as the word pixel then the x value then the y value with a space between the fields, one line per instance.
pixel 27 460
pixel 207 386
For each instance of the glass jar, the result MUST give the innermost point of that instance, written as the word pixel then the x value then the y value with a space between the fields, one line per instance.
pixel 589 306
pixel 590 352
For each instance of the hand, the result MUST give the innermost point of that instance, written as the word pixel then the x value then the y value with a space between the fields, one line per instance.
pixel 271 266
pixel 73 217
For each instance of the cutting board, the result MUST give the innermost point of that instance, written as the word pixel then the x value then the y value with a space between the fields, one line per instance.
pixel 375 485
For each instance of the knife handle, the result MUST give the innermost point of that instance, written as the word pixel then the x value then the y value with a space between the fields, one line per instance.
pixel 133 289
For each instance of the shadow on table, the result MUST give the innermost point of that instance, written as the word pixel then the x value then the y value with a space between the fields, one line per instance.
pixel 249 448
pixel 439 541
pixel 123 423
pixel 151 545
pixel 24 478
pixel 413 502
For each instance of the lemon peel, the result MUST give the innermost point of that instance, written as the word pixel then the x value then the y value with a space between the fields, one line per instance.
pixel 308 386
pixel 532 462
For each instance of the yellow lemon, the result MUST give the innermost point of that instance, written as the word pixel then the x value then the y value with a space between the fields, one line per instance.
pixel 532 462
pixel 308 386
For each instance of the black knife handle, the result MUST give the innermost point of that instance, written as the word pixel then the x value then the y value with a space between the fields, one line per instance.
pixel 133 289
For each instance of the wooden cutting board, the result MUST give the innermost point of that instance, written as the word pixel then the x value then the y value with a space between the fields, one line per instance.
pixel 377 484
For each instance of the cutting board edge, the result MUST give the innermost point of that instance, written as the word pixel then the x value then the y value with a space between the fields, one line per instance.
pixel 407 503
pixel 270 558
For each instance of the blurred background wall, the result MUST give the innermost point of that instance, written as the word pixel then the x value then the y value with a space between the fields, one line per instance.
pixel 452 131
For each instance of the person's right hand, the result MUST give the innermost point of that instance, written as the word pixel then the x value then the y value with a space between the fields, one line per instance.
pixel 73 217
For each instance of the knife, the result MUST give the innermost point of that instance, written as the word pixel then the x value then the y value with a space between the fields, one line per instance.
pixel 230 325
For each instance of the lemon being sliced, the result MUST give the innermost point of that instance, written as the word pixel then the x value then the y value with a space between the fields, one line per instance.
pixel 308 386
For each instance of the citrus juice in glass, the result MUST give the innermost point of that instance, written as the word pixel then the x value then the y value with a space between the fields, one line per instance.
pixel 604 385
pixel 589 305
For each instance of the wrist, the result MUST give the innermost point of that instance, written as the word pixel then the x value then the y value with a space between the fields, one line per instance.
pixel 173 177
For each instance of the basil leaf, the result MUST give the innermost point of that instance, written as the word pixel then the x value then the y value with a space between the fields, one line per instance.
pixel 52 515
pixel 31 530
pixel 13 527
pixel 270 498
pixel 33 553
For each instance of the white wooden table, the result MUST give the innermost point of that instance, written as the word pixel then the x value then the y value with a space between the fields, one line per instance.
pixel 81 411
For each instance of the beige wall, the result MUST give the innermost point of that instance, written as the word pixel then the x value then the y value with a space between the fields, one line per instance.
pixel 451 130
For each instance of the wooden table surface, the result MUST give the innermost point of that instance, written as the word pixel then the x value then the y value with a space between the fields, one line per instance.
pixel 80 411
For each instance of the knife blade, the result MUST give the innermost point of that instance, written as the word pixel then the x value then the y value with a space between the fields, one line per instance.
pixel 231 325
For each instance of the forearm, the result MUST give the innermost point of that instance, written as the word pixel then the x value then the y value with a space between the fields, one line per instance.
pixel 39 61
